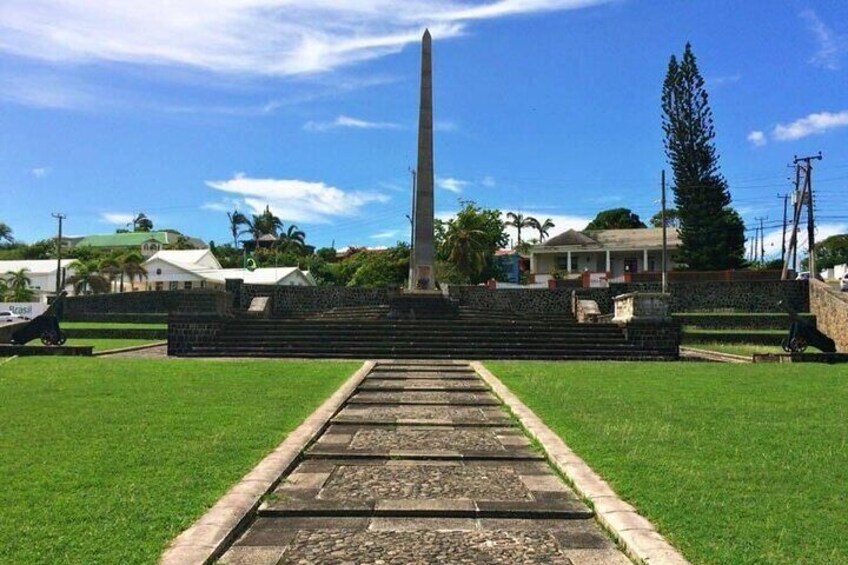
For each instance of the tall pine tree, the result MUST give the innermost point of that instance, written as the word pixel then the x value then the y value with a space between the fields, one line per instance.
pixel 712 233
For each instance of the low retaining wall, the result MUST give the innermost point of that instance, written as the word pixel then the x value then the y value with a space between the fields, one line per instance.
pixel 711 296
pixel 654 336
pixel 831 310
pixel 295 299
pixel 185 332
pixel 519 300
pixel 116 333
pixel 740 321
pixel 89 308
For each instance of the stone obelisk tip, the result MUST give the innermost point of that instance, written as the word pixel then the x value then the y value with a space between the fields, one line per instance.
pixel 427 33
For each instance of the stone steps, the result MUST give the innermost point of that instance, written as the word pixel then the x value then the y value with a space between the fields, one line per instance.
pixel 446 477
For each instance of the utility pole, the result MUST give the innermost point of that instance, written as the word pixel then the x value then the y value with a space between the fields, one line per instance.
pixel 664 239
pixel 785 198
pixel 59 216
pixel 762 241
pixel 811 225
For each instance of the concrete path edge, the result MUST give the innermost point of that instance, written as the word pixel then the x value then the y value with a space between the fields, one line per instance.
pixel 129 348
pixel 708 355
pixel 205 540
pixel 636 534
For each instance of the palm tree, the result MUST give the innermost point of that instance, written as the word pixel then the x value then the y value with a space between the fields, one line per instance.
pixel 110 268
pixel 142 223
pixel 293 238
pixel 237 219
pixel 266 223
pixel 520 221
pixel 19 285
pixel 5 292
pixel 87 277
pixel 467 246
pixel 543 228
pixel 6 233
pixel 131 268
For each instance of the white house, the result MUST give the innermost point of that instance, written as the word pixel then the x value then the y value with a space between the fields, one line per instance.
pixel 198 268
pixel 609 251
pixel 41 273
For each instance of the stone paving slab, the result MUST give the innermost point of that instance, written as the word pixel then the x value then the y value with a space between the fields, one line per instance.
pixel 432 385
pixel 423 415
pixel 410 375
pixel 422 442
pixel 425 398
pixel 422 540
pixel 417 488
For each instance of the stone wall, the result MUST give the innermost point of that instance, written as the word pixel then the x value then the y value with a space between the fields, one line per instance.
pixel 294 299
pixel 712 296
pixel 519 300
pixel 740 321
pixel 185 332
pixel 831 310
pixel 81 308
pixel 654 336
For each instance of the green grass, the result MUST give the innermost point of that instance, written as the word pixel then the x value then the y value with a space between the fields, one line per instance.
pixel 111 325
pixel 105 460
pixel 746 349
pixel 696 331
pixel 101 344
pixel 733 463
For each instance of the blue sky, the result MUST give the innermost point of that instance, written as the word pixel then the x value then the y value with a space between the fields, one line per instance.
pixel 548 107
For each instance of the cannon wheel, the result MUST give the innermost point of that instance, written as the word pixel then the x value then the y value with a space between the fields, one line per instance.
pixel 48 337
pixel 785 345
pixel 798 344
pixel 63 337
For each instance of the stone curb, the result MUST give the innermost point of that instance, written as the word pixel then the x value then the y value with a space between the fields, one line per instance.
pixel 128 349
pixel 715 355
pixel 637 535
pixel 205 540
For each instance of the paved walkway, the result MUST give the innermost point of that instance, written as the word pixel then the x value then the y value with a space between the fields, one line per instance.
pixel 423 465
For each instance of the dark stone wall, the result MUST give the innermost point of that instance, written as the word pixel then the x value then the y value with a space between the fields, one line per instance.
pixel 117 333
pixel 654 336
pixel 294 299
pixel 518 300
pixel 713 296
pixel 740 322
pixel 81 308
pixel 831 309
pixel 185 332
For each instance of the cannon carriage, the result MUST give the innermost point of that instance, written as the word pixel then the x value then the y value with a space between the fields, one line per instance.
pixel 44 327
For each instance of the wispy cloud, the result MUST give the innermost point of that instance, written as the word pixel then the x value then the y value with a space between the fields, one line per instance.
pixel 264 37
pixel 451 184
pixel 832 46
pixel 445 126
pixel 297 200
pixel 723 80
pixel 348 122
pixel 758 138
pixel 823 231
pixel 488 181
pixel 117 218
pixel 40 172
pixel 388 234
pixel 810 125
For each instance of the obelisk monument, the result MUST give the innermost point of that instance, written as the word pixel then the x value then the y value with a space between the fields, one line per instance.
pixel 423 265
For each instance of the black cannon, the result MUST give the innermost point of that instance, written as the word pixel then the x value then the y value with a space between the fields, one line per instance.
pixel 45 326
pixel 803 334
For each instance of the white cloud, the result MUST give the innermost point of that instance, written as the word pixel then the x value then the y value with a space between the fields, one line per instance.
pixel 348 122
pixel 445 126
pixel 296 200
pixel 720 81
pixel 388 234
pixel 831 45
pixel 265 37
pixel 40 172
pixel 758 138
pixel 810 125
pixel 118 218
pixel 773 239
pixel 451 184
pixel 488 181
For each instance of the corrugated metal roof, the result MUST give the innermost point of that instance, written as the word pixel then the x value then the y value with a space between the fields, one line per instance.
pixel 34 266
pixel 131 239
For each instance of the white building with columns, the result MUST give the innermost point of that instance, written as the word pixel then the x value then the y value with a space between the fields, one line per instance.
pixel 603 251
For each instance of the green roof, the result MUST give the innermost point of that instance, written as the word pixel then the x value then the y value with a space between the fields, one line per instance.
pixel 132 239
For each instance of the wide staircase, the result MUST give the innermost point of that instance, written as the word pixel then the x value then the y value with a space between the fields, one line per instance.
pixel 368 332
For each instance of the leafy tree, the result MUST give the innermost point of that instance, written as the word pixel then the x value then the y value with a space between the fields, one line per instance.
pixel 142 223
pixel 181 243
pixel 131 268
pixel 616 219
pixel 519 221
pixel 6 233
pixel 383 268
pixel 87 278
pixel 18 285
pixel 469 240
pixel 110 268
pixel 711 232
pixel 293 240
pixel 832 251
pixel 672 219
pixel 543 228
pixel 227 255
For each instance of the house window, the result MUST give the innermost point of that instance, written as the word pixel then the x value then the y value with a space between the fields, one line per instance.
pixel 562 262
pixel 173 285
pixel 652 264
pixel 160 285
pixel 202 284
pixel 631 265
pixel 187 285
pixel 158 271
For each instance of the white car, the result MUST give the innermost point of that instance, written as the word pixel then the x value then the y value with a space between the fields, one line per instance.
pixel 843 283
pixel 6 316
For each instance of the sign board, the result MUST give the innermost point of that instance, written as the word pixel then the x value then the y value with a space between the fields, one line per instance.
pixel 598 280
pixel 26 309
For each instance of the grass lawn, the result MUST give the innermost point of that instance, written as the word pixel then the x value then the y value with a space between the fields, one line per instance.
pixel 733 463
pixel 111 325
pixel 101 344
pixel 746 349
pixel 106 460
